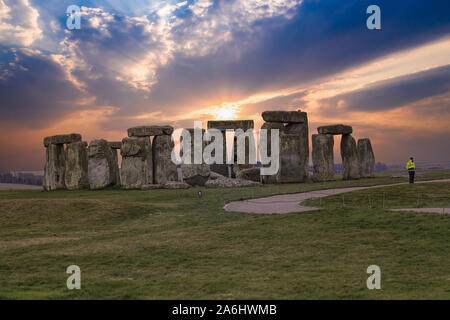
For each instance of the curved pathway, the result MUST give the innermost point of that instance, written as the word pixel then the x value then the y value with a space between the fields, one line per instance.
pixel 287 203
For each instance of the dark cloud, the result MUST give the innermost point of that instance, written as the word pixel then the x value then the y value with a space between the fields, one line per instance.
pixel 35 91
pixel 323 38
pixel 392 93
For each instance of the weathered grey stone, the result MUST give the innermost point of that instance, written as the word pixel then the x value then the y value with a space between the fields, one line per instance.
pixel 62 139
pixel 151 186
pixel 292 159
pixel 215 175
pixel 76 174
pixel 132 173
pixel 366 158
pixel 195 174
pixel 221 168
pixel 164 170
pixel 133 147
pixel 55 167
pixel 349 155
pixel 284 116
pixel 115 144
pixel 231 124
pixel 223 182
pixel 137 163
pixel 322 157
pixel 102 166
pixel 303 131
pixel 252 174
pixel 147 131
pixel 335 129
pixel 175 185
pixel 292 164
pixel 115 161
pixel 269 126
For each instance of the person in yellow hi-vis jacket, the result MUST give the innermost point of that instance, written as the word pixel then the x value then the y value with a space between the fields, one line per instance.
pixel 411 167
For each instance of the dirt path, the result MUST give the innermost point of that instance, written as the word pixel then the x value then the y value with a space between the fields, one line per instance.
pixel 286 203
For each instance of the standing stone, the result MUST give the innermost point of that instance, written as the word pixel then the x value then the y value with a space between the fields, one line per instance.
pixel 102 168
pixel 302 130
pixel 292 165
pixel 76 174
pixel 322 157
pixel 269 126
pixel 55 166
pixel 195 174
pixel 366 158
pixel 221 168
pixel 164 170
pixel 349 155
pixel 137 163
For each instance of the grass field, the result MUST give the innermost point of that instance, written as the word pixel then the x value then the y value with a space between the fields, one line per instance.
pixel 170 244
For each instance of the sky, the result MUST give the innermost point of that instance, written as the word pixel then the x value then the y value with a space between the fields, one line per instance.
pixel 146 62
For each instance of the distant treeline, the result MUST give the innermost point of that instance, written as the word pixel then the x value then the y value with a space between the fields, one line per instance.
pixel 20 178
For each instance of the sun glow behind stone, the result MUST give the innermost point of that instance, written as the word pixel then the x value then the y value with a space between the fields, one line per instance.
pixel 226 111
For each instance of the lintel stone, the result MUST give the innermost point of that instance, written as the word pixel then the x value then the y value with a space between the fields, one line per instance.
pixel 335 129
pixel 62 139
pixel 147 131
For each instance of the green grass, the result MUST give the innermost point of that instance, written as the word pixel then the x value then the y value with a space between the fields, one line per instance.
pixel 170 244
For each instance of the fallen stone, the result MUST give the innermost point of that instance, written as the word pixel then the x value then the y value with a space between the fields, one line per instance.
pixel 230 183
pixel 230 124
pixel 76 174
pixel 102 166
pixel 284 116
pixel 252 174
pixel 175 185
pixel 322 157
pixel 147 131
pixel 366 158
pixel 195 174
pixel 164 170
pixel 349 155
pixel 215 176
pixel 335 129
pixel 151 186
pixel 55 167
pixel 62 139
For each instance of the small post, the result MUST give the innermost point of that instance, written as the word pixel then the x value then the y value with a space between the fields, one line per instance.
pixel 320 201
pixel 343 202
pixel 370 205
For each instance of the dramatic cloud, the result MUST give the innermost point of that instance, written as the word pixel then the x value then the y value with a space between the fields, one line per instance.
pixel 18 23
pixel 172 62
pixel 392 93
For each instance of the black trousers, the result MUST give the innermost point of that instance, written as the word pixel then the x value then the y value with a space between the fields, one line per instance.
pixel 411 175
